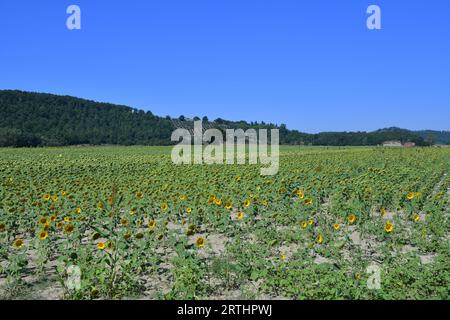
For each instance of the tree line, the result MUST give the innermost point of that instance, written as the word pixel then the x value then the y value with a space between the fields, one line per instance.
pixel 39 119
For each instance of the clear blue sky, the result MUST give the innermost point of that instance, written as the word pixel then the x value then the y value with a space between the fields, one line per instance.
pixel 311 64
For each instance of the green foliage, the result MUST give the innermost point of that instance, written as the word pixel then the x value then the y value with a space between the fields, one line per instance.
pixel 38 119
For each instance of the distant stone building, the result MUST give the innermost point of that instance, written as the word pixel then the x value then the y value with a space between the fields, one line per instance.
pixel 392 144
pixel 398 144
pixel 409 145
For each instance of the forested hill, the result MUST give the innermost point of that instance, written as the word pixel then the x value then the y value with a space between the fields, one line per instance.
pixel 31 119
pixel 40 119
pixel 435 137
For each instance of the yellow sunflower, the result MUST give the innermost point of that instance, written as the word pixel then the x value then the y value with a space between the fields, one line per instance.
pixel 101 246
pixel 164 206
pixel 151 224
pixel 247 203
pixel 139 195
pixel 319 238
pixel 43 235
pixel 188 210
pixel 200 242
pixel 77 210
pixel 389 227
pixel 351 218
pixel 68 228
pixel 300 194
pixel 336 226
pixel 211 199
pixel 241 216
pixel 18 243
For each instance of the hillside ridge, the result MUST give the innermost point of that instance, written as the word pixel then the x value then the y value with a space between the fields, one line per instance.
pixel 29 119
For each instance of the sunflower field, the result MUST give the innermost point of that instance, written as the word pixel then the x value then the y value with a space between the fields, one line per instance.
pixel 126 223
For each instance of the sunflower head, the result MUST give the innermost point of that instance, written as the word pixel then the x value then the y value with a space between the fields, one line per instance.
pixel 18 243
pixel 139 235
pixel 139 195
pixel 101 246
pixel 241 216
pixel 68 228
pixel 300 194
pixel 43 235
pixel 336 226
pixel 319 238
pixel 200 242
pixel 211 199
pixel 77 210
pixel 151 224
pixel 351 218
pixel 389 227
pixel 164 206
